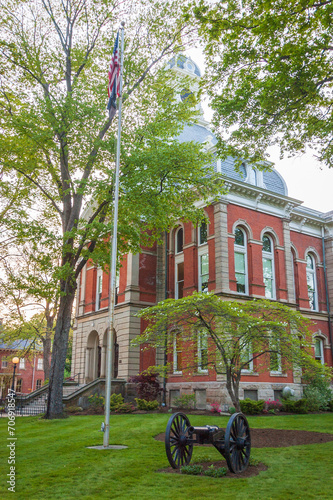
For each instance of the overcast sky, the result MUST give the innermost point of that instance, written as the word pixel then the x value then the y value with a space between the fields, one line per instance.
pixel 307 181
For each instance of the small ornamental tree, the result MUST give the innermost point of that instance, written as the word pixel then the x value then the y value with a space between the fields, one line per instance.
pixel 268 334
pixel 147 384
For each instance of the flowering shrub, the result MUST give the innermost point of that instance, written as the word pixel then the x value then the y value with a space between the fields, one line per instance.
pixel 215 408
pixel 273 405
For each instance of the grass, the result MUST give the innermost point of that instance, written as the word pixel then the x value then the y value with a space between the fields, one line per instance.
pixel 53 461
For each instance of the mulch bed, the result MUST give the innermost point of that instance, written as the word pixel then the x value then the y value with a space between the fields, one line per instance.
pixel 276 438
pixel 263 438
pixel 252 470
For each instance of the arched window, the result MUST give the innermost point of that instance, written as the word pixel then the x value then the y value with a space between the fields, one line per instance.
pixel 179 263
pixel 319 350
pixel 179 240
pixel 311 282
pixel 203 231
pixel 268 266
pixel 203 259
pixel 240 250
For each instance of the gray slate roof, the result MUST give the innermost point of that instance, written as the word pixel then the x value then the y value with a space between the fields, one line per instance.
pixel 273 180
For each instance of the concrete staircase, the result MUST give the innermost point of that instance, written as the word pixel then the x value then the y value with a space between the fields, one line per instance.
pixel 35 403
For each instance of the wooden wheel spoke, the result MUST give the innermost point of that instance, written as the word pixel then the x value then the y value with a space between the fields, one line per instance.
pixel 237 446
pixel 177 449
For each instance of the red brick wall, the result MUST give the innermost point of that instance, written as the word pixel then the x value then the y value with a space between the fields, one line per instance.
pixel 29 375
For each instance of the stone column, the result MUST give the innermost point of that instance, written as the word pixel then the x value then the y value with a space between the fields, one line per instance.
pixel 86 370
pixel 288 261
pixel 132 291
pixel 103 361
pixel 221 247
pixel 82 289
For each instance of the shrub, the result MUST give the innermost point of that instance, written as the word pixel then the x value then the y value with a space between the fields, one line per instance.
pixel 299 406
pixel 115 401
pixel 193 470
pixel 124 408
pixel 73 409
pixel 215 408
pixel 147 385
pixel 272 406
pixel 186 401
pixel 330 405
pixel 96 402
pixel 232 410
pixel 251 407
pixel 142 404
pixel 212 472
pixel 318 393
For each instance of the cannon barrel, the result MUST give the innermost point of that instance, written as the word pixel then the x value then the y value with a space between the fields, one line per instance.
pixel 234 443
pixel 202 431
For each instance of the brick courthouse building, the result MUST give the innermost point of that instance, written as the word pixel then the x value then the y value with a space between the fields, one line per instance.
pixel 259 243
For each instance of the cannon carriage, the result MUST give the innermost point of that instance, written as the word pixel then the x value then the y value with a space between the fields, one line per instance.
pixel 234 443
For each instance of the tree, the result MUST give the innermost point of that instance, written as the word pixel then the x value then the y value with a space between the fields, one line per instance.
pixel 55 136
pixel 26 286
pixel 269 74
pixel 268 334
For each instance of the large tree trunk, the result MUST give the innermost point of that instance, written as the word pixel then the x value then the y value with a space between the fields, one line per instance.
pixel 59 352
pixel 47 353
pixel 233 390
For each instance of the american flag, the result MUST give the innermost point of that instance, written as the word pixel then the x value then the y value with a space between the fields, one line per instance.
pixel 114 80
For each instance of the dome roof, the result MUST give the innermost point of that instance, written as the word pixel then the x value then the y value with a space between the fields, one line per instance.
pixel 185 63
pixel 272 180
pixel 196 133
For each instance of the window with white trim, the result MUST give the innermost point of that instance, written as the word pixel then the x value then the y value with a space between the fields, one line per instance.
pixel 246 359
pixel 319 350
pixel 179 263
pixel 202 233
pixel 177 352
pixel 38 383
pixel 275 359
pixel 179 291
pixel 268 266
pixel 99 286
pixel 179 240
pixel 22 364
pixel 4 363
pixel 202 352
pixel 40 364
pixel 240 253
pixel 203 272
pixel 311 282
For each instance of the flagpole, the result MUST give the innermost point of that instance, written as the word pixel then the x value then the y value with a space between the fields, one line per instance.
pixel 113 263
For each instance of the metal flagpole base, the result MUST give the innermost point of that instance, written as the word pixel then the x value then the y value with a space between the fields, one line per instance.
pixel 109 447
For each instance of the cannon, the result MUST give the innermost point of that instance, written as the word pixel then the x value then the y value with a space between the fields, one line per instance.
pixel 234 443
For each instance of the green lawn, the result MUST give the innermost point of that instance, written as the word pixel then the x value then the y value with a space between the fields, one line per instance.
pixel 53 462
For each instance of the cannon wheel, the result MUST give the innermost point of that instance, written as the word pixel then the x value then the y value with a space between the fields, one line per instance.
pixel 237 443
pixel 178 449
